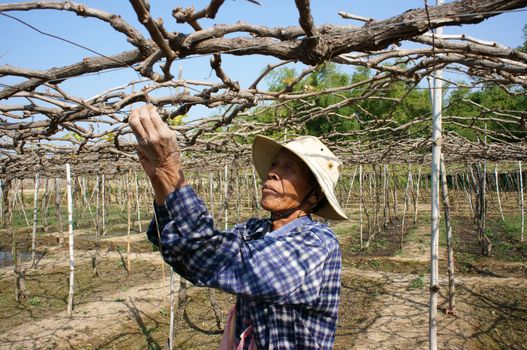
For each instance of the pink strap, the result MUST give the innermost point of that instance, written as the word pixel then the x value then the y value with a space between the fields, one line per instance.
pixel 228 342
pixel 243 337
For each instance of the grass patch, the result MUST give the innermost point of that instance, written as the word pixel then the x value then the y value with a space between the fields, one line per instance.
pixel 417 283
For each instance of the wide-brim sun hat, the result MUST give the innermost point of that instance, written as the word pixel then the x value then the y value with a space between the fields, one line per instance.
pixel 324 165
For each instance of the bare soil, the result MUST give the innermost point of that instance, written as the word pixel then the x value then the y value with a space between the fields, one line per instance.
pixel 384 298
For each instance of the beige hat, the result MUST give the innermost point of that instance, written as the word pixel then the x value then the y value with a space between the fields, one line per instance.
pixel 320 160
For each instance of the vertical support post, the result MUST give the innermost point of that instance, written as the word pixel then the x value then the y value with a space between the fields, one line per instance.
pixel 498 190
pixel 434 239
pixel 58 213
pixel 35 220
pixel 522 206
pixel 103 206
pixel 450 249
pixel 211 193
pixel 129 211
pixel 225 199
pixel 386 196
pixel 2 220
pixel 416 202
pixel 138 204
pixel 70 230
pixel 172 311
pixel 360 205
pixel 405 205
pixel 97 211
pixel 256 199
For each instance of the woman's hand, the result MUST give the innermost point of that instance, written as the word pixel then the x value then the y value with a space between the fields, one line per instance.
pixel 158 151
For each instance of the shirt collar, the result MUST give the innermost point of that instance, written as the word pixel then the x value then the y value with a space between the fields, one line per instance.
pixel 290 227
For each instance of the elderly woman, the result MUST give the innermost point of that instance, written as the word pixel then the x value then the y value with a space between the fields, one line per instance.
pixel 285 270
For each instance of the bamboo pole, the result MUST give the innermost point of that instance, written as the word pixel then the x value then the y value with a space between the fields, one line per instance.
pixel 434 237
pixel 70 230
pixel 58 213
pixel 351 187
pixel 2 220
pixel 405 205
pixel 226 199
pixel 386 196
pixel 20 291
pixel 395 199
pixel 522 206
pixel 416 202
pixel 172 312
pixel 44 206
pixel 35 221
pixel 450 250
pixel 238 195
pixel 498 191
pixel 137 203
pixel 20 196
pixel 103 206
pixel 129 212
pixel 360 206
pixel 256 199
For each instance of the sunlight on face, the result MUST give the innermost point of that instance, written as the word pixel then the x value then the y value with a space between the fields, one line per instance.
pixel 288 182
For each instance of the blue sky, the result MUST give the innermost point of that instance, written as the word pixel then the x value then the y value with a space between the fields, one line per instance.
pixel 23 47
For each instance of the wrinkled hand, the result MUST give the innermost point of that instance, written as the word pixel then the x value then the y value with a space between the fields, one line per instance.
pixel 158 151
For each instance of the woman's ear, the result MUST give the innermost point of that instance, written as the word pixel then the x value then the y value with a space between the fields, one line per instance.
pixel 316 195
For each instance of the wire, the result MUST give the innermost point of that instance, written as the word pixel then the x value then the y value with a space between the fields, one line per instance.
pixel 66 40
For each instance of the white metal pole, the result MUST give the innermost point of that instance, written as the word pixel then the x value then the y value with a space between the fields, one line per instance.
pixel 434 239
pixel 70 229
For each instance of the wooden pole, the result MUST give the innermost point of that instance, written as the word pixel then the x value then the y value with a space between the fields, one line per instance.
pixel 70 230
pixel 360 205
pixel 2 220
pixel 405 206
pixel 386 196
pixel 395 198
pixel 172 311
pixel 103 205
pixel 434 239
pixel 58 213
pixel 416 202
pixel 21 199
pixel 351 187
pixel 137 203
pixel 44 206
pixel 129 228
pixel 498 190
pixel 522 206
pixel 20 290
pixel 450 249
pixel 226 199
pixel 35 221
pixel 256 199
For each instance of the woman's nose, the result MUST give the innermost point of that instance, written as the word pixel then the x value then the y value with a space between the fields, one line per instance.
pixel 271 175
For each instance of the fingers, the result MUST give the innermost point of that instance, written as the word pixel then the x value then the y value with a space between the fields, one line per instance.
pixel 146 123
pixel 135 124
pixel 157 121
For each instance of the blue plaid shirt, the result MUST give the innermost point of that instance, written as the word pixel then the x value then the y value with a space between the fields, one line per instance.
pixel 287 281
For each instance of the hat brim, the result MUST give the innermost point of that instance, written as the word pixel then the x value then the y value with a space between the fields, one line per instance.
pixel 265 150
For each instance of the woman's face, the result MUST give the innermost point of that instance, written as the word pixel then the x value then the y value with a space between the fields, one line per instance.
pixel 288 183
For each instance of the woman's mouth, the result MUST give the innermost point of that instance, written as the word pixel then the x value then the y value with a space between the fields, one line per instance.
pixel 268 190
